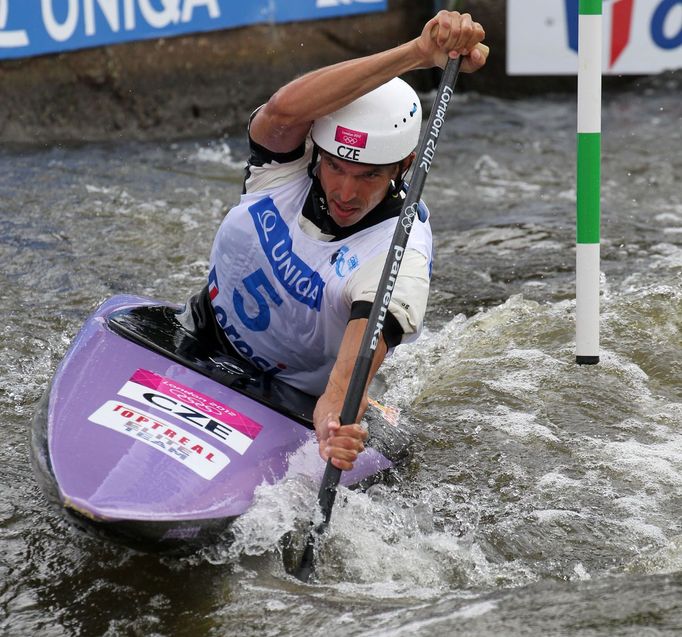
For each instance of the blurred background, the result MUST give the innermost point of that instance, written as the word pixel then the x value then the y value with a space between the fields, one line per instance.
pixel 144 69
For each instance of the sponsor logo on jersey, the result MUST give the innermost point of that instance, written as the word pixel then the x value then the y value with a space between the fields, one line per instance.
pixel 343 263
pixel 299 280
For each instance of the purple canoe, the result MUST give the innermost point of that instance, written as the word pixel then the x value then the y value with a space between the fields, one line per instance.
pixel 149 438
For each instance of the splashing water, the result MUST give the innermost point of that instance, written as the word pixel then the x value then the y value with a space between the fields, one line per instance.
pixel 539 497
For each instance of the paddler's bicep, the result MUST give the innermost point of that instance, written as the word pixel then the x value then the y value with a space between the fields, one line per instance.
pixel 410 293
pixel 277 126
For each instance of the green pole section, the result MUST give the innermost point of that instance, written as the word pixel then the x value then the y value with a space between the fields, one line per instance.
pixel 590 7
pixel 588 187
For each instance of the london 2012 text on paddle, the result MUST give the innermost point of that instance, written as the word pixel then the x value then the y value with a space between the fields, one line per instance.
pixel 439 119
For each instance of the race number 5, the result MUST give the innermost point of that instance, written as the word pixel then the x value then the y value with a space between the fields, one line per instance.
pixel 253 284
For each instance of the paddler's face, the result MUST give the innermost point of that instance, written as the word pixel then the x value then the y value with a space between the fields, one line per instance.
pixel 353 189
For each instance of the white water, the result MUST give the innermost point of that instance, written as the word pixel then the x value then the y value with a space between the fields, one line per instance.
pixel 541 497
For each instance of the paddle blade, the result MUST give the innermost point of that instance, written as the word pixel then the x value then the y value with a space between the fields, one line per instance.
pixel 325 499
pixel 307 564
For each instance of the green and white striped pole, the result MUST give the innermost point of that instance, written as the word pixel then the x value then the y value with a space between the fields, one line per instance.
pixel 588 181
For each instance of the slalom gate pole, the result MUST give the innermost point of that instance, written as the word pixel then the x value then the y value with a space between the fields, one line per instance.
pixel 588 187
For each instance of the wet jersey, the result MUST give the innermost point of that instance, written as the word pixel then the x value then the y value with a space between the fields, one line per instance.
pixel 283 294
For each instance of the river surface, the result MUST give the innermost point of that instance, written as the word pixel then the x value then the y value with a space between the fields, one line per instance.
pixel 542 497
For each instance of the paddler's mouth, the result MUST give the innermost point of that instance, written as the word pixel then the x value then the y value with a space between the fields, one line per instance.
pixel 343 210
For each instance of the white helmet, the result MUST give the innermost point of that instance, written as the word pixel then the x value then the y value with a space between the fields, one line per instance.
pixel 381 127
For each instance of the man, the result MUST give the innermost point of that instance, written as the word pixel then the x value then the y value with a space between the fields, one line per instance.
pixel 296 264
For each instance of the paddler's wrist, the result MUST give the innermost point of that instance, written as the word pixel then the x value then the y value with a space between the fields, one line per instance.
pixel 414 57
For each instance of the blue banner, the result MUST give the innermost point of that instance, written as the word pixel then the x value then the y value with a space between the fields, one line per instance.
pixel 37 27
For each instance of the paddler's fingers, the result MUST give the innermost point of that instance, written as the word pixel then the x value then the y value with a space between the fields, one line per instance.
pixel 451 34
pixel 343 457
pixel 463 34
pixel 476 59
pixel 344 465
pixel 344 445
pixel 354 432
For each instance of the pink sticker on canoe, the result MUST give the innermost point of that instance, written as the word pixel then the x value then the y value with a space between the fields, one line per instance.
pixel 351 137
pixel 203 403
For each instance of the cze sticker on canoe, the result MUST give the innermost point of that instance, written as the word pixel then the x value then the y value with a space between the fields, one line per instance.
pixel 230 427
pixel 183 446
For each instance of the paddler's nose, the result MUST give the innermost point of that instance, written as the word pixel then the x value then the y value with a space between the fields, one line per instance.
pixel 347 189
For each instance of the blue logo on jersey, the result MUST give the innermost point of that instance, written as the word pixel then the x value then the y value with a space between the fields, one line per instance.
pixel 344 264
pixel 298 278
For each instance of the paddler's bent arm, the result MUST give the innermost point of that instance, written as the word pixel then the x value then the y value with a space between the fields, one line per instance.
pixel 283 123
pixel 343 444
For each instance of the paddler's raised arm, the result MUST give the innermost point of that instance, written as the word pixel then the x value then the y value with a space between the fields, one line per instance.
pixel 282 124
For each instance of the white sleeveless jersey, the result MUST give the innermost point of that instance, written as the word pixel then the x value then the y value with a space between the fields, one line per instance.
pixel 279 294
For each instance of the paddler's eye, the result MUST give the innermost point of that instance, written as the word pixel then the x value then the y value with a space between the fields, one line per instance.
pixel 372 176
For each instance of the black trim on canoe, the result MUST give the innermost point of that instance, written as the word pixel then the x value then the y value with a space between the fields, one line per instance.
pixel 169 537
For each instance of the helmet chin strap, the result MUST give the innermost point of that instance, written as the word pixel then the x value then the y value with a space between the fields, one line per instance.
pixel 397 184
pixel 313 161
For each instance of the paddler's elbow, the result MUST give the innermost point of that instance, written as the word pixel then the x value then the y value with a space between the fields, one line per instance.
pixel 282 113
pixel 278 125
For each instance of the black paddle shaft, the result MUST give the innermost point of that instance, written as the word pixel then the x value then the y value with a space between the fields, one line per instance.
pixel 377 315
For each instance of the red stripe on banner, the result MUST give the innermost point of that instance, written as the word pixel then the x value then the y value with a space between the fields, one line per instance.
pixel 620 28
